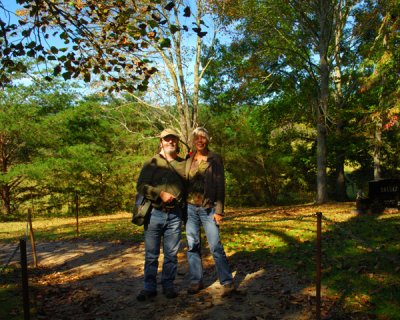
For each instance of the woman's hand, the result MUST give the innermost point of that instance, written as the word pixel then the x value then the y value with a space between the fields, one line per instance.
pixel 218 218
pixel 166 197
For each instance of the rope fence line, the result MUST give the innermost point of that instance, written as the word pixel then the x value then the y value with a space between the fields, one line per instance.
pixel 299 218
pixel 361 244
pixel 319 217
pixel 3 267
pixel 24 265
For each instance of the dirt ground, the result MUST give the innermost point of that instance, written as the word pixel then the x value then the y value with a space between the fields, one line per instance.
pixel 100 280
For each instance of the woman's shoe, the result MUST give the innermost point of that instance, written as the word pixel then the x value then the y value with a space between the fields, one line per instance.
pixel 228 289
pixel 195 288
pixel 145 295
pixel 170 293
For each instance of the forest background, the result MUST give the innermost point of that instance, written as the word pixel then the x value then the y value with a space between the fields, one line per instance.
pixel 301 98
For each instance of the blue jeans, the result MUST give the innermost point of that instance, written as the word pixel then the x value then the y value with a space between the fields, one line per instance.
pixel 198 216
pixel 165 227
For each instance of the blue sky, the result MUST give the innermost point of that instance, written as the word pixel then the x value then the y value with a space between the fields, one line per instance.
pixel 10 5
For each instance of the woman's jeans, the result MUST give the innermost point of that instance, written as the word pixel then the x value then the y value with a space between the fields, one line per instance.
pixel 198 216
pixel 163 228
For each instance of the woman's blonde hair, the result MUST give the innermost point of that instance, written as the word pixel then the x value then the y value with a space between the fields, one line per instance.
pixel 201 131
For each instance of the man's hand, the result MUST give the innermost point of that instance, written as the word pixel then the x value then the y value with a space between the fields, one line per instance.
pixel 166 197
pixel 218 218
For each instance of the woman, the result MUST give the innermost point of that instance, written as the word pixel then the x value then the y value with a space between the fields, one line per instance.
pixel 206 195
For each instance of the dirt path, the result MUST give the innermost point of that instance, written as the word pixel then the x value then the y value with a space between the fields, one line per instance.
pixel 100 280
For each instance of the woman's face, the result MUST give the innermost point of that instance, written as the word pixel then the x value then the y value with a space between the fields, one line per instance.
pixel 200 142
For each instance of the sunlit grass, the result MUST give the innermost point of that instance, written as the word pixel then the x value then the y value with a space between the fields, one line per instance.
pixel 360 254
pixel 110 227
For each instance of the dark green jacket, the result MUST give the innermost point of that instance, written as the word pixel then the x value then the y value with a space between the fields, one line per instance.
pixel 214 184
pixel 157 175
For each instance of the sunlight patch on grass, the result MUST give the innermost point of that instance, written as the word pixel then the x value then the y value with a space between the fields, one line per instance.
pixel 110 227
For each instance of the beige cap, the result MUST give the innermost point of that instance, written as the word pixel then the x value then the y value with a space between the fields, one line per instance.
pixel 168 132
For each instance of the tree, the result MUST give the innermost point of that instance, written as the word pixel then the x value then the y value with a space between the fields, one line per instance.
pixel 377 26
pixel 21 137
pixel 90 157
pixel 298 38
pixel 174 94
pixel 106 41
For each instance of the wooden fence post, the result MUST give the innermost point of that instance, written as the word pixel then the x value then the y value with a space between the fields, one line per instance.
pixel 77 213
pixel 318 263
pixel 32 237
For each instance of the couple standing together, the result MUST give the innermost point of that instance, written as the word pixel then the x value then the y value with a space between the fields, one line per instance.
pixel 171 183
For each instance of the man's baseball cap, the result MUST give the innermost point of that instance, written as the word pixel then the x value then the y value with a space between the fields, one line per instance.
pixel 168 132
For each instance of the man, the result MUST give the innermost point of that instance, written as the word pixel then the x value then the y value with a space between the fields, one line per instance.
pixel 160 181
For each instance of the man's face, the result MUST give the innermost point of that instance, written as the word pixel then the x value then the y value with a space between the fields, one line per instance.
pixel 200 142
pixel 169 144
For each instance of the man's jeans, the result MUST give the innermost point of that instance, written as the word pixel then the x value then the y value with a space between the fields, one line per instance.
pixel 196 217
pixel 165 227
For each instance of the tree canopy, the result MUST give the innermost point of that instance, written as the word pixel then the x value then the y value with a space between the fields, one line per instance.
pixel 105 41
pixel 302 101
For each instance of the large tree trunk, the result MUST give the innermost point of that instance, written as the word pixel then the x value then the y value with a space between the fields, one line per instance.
pixel 270 199
pixel 377 150
pixel 322 194
pixel 5 189
pixel 340 190
pixel 324 35
pixel 6 199
pixel 341 194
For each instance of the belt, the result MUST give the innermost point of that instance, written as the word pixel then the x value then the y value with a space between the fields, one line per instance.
pixel 194 204
pixel 168 209
pixel 208 210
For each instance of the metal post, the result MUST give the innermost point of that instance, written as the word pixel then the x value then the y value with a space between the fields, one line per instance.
pixel 318 262
pixel 24 271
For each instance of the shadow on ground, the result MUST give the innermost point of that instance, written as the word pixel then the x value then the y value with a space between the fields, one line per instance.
pixel 99 280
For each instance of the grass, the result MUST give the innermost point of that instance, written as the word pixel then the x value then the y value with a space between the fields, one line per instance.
pixel 361 253
pixel 98 228
pixel 10 296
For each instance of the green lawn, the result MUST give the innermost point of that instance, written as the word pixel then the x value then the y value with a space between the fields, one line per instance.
pixel 361 253
pixel 110 227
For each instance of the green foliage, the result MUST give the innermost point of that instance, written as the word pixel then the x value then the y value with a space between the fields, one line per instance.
pixel 260 102
pixel 21 137
pixel 91 158
pixel 63 147
pixel 263 166
pixel 272 66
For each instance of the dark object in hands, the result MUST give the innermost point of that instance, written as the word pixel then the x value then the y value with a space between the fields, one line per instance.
pixel 141 210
